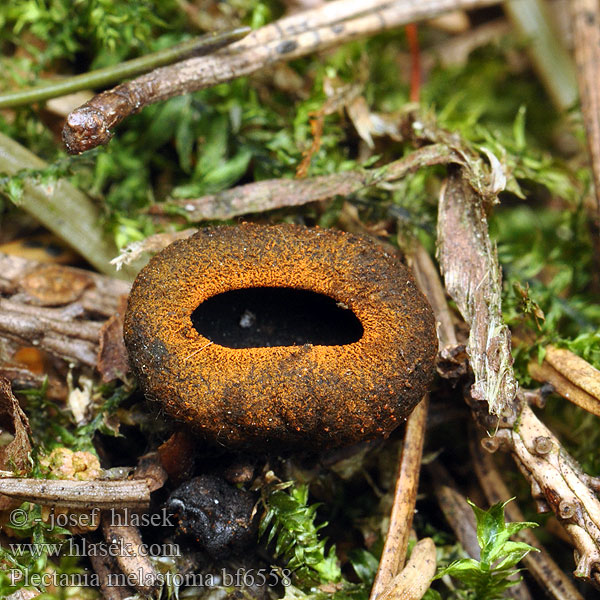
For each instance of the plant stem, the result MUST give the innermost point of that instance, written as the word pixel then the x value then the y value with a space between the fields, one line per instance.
pixel 63 209
pixel 103 77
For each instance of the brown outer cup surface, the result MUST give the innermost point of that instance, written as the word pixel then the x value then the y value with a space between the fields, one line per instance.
pixel 287 396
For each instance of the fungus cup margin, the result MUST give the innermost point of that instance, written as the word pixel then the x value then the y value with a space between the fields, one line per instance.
pixel 265 398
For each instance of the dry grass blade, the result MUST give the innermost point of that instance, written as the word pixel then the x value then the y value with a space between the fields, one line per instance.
pixel 405 496
pixel 585 16
pixel 472 275
pixel 545 571
pixel 62 208
pixel 549 57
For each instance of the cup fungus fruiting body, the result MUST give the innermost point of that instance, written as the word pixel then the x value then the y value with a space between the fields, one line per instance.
pixel 269 337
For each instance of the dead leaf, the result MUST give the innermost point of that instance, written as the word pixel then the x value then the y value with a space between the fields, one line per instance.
pixel 54 285
pixel 14 436
pixel 113 362
pixel 177 455
pixel 360 115
pixel 14 431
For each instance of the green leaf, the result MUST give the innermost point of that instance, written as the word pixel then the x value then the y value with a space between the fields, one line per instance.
pixel 490 576
pixel 365 565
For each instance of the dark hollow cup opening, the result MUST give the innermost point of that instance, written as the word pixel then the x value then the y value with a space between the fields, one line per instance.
pixel 264 317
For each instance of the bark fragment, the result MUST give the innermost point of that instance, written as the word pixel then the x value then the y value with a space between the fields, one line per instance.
pixel 472 275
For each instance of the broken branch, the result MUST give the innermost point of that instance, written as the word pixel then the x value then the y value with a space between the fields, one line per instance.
pixel 338 22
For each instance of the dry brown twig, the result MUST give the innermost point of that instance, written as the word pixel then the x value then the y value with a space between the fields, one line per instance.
pixel 74 494
pixel 134 563
pixel 545 571
pixel 105 567
pixel 414 580
pixel 289 38
pixel 57 309
pixel 405 496
pixel 277 193
pixel 119 529
pixel 557 481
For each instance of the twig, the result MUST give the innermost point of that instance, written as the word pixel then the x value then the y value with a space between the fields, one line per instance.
pixel 71 329
pixel 135 564
pixel 62 208
pixel 571 376
pixel 119 529
pixel 405 496
pixel 102 77
pixel 545 571
pixel 550 59
pixel 99 298
pixel 64 339
pixel 414 580
pixel 470 267
pixel 585 16
pixel 557 481
pixel 277 193
pixel 78 494
pixel 457 512
pixel 305 33
pixel 104 567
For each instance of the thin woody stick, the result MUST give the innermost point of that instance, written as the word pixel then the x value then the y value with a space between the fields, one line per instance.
pixel 546 572
pixel 89 125
pixel 101 77
pixel 414 580
pixel 405 496
pixel 277 193
pixel 78 494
